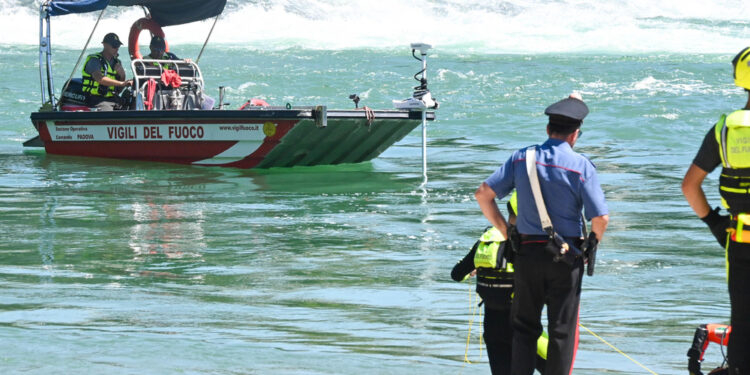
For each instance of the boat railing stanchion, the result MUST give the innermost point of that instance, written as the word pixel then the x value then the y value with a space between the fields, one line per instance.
pixel 221 97
pixel 320 113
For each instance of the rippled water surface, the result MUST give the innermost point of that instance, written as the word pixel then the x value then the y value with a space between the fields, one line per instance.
pixel 126 267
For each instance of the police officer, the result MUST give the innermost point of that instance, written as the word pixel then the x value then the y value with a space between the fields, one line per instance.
pixel 102 74
pixel 495 287
pixel 725 144
pixel 568 184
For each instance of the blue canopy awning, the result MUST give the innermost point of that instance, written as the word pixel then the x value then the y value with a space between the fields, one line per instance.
pixel 164 12
pixel 63 7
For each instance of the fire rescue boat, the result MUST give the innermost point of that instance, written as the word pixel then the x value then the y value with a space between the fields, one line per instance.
pixel 175 121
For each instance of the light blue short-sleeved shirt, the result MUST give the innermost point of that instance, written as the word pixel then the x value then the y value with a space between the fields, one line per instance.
pixel 569 184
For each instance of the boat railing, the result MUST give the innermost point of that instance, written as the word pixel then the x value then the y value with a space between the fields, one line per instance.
pixel 189 93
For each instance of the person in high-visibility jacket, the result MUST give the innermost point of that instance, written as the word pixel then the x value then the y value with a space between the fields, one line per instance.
pixel 727 143
pixel 158 47
pixel 490 260
pixel 103 74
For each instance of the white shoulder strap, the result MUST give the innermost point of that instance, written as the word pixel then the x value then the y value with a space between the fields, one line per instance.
pixel 536 189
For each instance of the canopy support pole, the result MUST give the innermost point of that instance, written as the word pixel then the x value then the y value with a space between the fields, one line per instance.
pixel 83 51
pixel 50 81
pixel 207 38
pixel 43 47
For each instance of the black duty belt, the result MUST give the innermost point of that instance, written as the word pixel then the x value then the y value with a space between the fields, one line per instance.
pixel 544 238
pixel 534 237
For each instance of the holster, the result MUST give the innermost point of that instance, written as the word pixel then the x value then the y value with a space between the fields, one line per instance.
pixel 561 250
pixel 589 253
pixel 514 237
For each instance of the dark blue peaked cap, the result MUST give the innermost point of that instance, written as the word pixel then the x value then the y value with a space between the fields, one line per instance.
pixel 569 111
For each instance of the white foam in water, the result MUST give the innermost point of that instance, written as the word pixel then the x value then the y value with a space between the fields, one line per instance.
pixel 514 26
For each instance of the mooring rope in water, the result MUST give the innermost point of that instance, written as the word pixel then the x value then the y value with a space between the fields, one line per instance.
pixel 615 348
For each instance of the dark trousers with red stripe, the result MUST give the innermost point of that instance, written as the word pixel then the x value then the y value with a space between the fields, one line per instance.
pixel 539 281
pixel 738 255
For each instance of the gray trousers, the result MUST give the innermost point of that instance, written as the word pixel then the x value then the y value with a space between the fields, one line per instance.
pixel 102 104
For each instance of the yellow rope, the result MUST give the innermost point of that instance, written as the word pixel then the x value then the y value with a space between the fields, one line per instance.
pixel 474 306
pixel 617 350
pixel 473 309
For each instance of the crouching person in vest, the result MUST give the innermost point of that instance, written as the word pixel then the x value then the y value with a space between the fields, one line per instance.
pixel 726 144
pixel 103 75
pixel 490 259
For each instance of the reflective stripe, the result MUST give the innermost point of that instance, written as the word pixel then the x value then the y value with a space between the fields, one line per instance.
pixel 723 142
pixel 733 190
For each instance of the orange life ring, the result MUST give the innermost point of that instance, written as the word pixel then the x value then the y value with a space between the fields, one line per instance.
pixel 135 32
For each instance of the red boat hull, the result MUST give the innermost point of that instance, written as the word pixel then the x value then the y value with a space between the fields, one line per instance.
pixel 240 139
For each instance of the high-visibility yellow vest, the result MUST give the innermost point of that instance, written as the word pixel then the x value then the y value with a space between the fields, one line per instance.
pixel 164 66
pixel 489 245
pixel 733 137
pixel 514 202
pixel 90 86
pixel 486 260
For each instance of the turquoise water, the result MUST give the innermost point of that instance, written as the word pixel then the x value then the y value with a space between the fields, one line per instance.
pixel 127 267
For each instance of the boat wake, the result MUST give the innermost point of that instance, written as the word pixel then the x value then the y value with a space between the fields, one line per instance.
pixel 471 26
